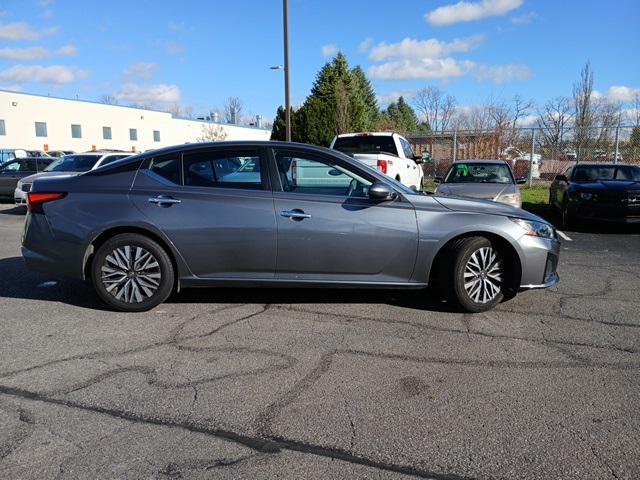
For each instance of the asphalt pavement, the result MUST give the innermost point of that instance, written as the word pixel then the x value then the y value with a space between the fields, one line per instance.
pixel 292 384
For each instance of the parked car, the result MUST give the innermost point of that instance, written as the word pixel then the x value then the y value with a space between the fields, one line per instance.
pixel 8 154
pixel 389 153
pixel 64 166
pixel 60 153
pixel 597 191
pixel 12 171
pixel 483 179
pixel 159 222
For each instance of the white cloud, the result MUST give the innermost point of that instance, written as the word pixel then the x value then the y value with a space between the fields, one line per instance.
pixel 470 11
pixel 385 98
pixel 148 94
pixel 54 74
pixel 36 53
pixel 619 93
pixel 427 68
pixel 423 49
pixel 22 31
pixel 329 50
pixel 503 73
pixel 525 19
pixel 140 70
pixel 365 45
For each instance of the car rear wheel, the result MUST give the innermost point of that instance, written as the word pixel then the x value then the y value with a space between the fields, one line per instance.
pixel 478 274
pixel 132 273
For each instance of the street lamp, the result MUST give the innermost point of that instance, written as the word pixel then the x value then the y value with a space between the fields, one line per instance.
pixel 287 95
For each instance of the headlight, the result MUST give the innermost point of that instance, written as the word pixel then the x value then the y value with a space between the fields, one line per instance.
pixel 536 229
pixel 509 198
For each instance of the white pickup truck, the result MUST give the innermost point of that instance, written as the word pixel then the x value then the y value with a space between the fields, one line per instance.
pixel 387 152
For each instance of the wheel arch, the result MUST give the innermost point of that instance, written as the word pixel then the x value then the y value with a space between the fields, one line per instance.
pixel 178 263
pixel 511 253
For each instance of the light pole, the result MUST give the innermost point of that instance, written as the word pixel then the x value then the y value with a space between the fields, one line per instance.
pixel 287 94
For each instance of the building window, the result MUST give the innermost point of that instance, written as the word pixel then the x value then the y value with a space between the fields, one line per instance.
pixel 41 129
pixel 133 134
pixel 3 131
pixel 156 135
pixel 106 133
pixel 76 131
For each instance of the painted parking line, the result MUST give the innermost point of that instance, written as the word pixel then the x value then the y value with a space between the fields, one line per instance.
pixel 564 236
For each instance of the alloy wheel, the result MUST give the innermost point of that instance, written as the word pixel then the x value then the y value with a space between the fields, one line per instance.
pixel 131 274
pixel 483 275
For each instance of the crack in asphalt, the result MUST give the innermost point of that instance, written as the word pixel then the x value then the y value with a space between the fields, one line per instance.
pixel 271 445
pixel 468 331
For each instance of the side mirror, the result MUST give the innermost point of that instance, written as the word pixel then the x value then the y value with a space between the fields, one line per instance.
pixel 521 180
pixel 437 180
pixel 418 159
pixel 381 192
pixel 562 178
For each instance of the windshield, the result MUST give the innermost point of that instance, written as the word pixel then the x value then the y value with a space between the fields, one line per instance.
pixel 73 163
pixel 594 173
pixel 479 173
pixel 366 144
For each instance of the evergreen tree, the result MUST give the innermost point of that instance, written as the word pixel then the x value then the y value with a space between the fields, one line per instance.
pixel 341 100
pixel 278 131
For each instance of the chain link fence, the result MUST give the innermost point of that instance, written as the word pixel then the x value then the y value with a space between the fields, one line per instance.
pixel 536 154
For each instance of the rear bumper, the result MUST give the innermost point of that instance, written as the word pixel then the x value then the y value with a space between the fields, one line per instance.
pixel 20 197
pixel 43 252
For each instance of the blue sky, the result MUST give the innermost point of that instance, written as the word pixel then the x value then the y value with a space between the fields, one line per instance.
pixel 198 53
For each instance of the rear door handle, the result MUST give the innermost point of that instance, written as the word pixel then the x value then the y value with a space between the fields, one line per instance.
pixel 163 201
pixel 295 214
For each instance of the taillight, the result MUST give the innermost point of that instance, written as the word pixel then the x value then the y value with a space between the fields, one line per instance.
pixel 35 200
pixel 382 166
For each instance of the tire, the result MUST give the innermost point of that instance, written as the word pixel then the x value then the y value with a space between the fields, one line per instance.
pixel 477 274
pixel 132 273
pixel 566 219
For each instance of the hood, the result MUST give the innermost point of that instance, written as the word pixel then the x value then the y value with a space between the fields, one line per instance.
pixel 462 204
pixel 487 191
pixel 31 178
pixel 609 185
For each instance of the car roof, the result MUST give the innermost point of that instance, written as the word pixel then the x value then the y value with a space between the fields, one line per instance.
pixel 366 134
pixel 49 159
pixel 604 164
pixel 232 144
pixel 501 162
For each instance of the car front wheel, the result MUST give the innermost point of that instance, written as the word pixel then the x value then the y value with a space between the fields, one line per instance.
pixel 132 273
pixel 478 274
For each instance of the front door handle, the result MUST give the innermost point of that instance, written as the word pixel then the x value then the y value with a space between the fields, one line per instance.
pixel 163 201
pixel 295 214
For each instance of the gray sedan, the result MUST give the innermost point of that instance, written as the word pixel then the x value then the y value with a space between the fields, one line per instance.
pixel 276 214
pixel 484 179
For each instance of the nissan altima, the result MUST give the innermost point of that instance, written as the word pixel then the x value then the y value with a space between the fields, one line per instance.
pixel 276 214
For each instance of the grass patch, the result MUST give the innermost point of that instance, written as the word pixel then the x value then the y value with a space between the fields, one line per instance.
pixel 536 196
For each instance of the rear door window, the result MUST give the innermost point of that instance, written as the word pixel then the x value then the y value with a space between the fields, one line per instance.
pixel 224 169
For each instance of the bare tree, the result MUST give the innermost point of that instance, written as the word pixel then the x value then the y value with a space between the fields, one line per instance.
pixel 553 118
pixel 635 110
pixel 436 106
pixel 212 133
pixel 108 99
pixel 584 110
pixel 180 111
pixel 609 117
pixel 232 110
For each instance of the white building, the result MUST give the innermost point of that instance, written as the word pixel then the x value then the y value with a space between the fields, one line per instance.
pixel 36 122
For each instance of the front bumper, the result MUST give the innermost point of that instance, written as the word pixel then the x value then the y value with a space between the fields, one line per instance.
pixel 539 262
pixel 606 212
